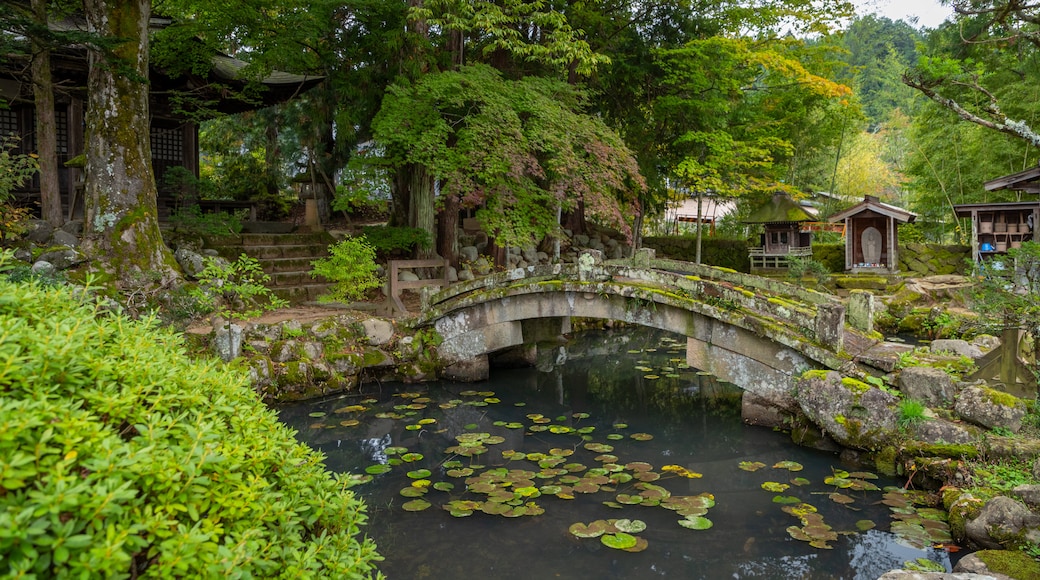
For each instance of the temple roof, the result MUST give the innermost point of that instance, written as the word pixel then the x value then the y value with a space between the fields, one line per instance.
pixel 782 208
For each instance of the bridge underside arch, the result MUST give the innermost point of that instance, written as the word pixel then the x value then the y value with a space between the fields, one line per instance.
pixel 755 363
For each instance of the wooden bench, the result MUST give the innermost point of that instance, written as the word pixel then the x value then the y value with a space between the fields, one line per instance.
pixel 396 286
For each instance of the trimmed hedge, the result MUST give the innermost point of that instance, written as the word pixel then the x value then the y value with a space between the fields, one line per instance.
pixel 732 254
pixel 120 457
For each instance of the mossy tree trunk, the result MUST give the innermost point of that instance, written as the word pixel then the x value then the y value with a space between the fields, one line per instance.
pixel 422 212
pixel 46 126
pixel 122 224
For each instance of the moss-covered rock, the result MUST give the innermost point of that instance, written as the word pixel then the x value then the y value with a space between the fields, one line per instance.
pixel 1012 563
pixel 991 408
pixel 855 414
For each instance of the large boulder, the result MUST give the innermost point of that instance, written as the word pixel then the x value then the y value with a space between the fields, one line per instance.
pixel 940 431
pixel 932 386
pixel 378 331
pixel 991 408
pixel 63 259
pixel 1003 523
pixel 956 346
pixel 854 413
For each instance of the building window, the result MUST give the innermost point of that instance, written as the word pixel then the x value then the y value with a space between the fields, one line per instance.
pixel 167 145
pixel 8 123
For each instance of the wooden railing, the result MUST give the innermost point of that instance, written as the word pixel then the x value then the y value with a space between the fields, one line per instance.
pixel 760 259
pixel 395 267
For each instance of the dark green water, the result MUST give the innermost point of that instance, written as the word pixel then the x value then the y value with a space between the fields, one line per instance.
pixel 694 422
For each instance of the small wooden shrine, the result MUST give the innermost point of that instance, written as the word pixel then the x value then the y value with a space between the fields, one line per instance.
pixel 872 235
pixel 782 219
pixel 998 227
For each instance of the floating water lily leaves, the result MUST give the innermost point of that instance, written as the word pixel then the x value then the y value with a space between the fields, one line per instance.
pixel 864 525
pixel 411 457
pixel 788 465
pixel 799 481
pixel 619 541
pixel 696 523
pixel 593 530
pixel 461 472
pixel 416 505
pixel 840 498
pixel 444 486
pixel 775 487
pixel 630 526
pixel 419 474
pixel 598 447
pixel 786 499
pixel 317 414
pixel 377 469
pixel 351 409
pixel 615 437
pixel 641 436
pixel 751 465
pixel 413 491
pixel 349 423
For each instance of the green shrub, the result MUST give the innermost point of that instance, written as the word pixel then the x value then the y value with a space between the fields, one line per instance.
pixel 911 412
pixel 352 266
pixel 396 241
pixel 120 457
pixel 190 220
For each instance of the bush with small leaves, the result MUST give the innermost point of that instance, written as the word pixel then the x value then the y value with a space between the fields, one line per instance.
pixel 351 264
pixel 120 458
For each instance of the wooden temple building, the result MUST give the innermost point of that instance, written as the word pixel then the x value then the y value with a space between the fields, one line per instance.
pixel 872 235
pixel 783 236
pixel 998 227
pixel 173 135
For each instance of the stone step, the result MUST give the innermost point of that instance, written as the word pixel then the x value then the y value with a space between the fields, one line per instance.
pixel 283 279
pixel 285 251
pixel 302 293
pixel 275 265
pixel 271 239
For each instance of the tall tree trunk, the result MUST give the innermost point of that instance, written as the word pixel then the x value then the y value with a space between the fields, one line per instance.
pixel 272 155
pixel 46 126
pixel 400 198
pixel 122 222
pixel 448 229
pixel 421 212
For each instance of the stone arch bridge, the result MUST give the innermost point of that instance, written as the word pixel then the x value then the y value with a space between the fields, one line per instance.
pixel 755 332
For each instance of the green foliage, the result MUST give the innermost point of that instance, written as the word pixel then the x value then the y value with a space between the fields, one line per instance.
pixel 911 412
pixel 120 458
pixel 351 264
pixel 396 241
pixel 798 268
pixel 1000 477
pixel 15 168
pixel 517 149
pixel 237 289
pixel 190 220
pixel 1002 432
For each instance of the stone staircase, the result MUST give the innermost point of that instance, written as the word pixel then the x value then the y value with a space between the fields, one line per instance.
pixel 286 258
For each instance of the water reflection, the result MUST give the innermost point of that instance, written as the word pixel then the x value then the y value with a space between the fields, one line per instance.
pixel 636 380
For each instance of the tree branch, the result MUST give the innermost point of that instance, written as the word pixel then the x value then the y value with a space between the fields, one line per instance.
pixel 1004 125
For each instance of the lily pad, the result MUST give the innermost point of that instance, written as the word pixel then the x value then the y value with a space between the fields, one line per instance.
pixel 864 525
pixel 615 437
pixel 410 457
pixel 444 486
pixel 419 474
pixel 416 505
pixel 317 414
pixel 788 465
pixel 630 526
pixel 349 423
pixel 618 541
pixel 593 530
pixel 775 487
pixel 696 523
pixel 377 469
pixel 641 436
pixel 751 465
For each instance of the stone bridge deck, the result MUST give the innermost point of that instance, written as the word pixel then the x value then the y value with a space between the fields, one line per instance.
pixel 745 329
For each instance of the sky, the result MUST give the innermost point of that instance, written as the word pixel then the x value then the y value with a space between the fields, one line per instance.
pixel 929 13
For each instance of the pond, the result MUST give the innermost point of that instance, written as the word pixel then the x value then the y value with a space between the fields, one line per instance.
pixel 620 463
